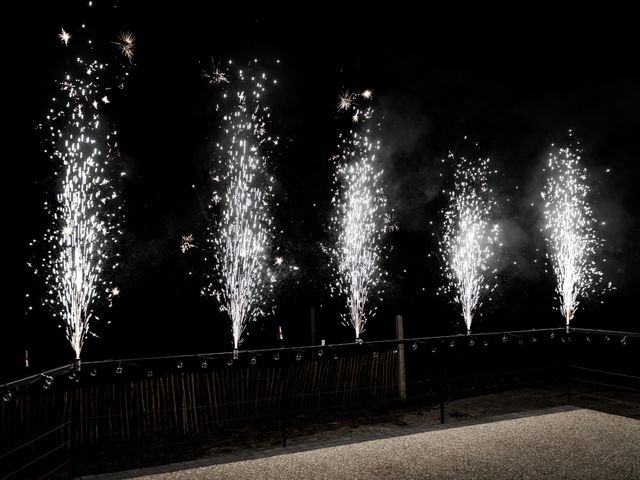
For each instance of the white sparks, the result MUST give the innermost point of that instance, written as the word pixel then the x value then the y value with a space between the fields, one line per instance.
pixel 357 224
pixel 126 42
pixel 569 231
pixel 216 76
pixel 279 261
pixel 85 216
pixel 390 223
pixel 64 37
pixel 105 100
pixel 468 241
pixel 241 236
pixel 368 94
pixel 345 100
pixel 187 243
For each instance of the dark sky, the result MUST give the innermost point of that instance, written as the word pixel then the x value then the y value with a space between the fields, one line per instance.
pixel 513 81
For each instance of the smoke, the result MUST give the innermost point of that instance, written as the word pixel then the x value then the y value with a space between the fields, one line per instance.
pixel 412 172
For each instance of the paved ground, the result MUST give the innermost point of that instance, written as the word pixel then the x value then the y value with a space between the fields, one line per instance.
pixel 562 442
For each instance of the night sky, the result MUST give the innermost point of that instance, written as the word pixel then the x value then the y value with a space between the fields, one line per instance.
pixel 514 85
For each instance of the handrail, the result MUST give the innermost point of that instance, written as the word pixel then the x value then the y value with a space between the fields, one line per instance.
pixel 301 348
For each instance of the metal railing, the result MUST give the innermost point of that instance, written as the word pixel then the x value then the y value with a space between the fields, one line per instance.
pixel 56 423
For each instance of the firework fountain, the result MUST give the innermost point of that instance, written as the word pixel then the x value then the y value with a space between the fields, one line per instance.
pixel 359 212
pixel 467 245
pixel 569 230
pixel 241 233
pixel 86 213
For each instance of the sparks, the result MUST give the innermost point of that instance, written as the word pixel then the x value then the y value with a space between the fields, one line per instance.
pixel 390 223
pixel 216 76
pixel 345 100
pixel 569 231
pixel 467 245
pixel 279 261
pixel 126 42
pixel 115 291
pixel 85 217
pixel 357 224
pixel 64 37
pixel 241 235
pixel 187 243
pixel 368 94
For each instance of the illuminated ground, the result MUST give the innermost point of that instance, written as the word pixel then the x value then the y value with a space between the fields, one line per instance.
pixel 556 443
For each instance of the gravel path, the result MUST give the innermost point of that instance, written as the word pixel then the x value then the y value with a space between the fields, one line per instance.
pixel 578 444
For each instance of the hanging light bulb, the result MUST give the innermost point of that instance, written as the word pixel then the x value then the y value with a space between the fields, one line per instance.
pixel 48 380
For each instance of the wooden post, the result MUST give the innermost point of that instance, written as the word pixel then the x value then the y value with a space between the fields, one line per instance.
pixel 402 381
pixel 284 386
pixel 568 365
pixel 75 424
pixel 312 324
pixel 441 382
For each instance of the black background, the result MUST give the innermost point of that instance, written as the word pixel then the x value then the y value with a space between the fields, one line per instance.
pixel 514 81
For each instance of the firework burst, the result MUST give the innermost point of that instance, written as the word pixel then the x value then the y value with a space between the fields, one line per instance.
pixel 390 222
pixel 186 243
pixel 469 238
pixel 126 42
pixel 346 100
pixel 357 223
pixel 85 225
pixel 215 75
pixel 242 233
pixel 64 37
pixel 569 230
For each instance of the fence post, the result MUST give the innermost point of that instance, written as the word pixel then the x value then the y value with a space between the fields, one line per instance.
pixel 568 365
pixel 283 403
pixel 402 380
pixel 441 382
pixel 75 422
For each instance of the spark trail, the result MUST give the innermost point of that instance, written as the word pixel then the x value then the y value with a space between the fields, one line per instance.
pixel 242 232
pixel 569 231
pixel 85 216
pixel 467 245
pixel 358 220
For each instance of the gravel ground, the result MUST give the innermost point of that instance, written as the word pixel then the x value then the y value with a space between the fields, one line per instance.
pixel 575 444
